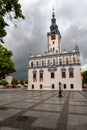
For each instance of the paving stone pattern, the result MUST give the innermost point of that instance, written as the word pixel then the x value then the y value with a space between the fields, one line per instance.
pixel 21 109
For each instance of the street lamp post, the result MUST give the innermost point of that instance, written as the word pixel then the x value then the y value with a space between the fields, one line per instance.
pixel 60 90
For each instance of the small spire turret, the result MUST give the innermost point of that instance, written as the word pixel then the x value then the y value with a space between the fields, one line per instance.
pixel 76 48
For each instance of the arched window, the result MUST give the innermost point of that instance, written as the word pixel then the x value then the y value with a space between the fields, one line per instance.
pixel 60 61
pixel 63 72
pixel 74 60
pixel 48 62
pixel 53 61
pixel 67 60
pixel 42 62
pixel 37 63
pixel 71 72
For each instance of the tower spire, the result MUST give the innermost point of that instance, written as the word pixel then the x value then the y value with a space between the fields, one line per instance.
pixel 53 15
pixel 53 27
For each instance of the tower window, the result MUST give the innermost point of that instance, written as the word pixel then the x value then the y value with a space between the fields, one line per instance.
pixel 53 37
pixel 52 75
pixel 53 42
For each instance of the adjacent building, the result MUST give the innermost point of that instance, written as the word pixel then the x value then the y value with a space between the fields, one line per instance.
pixel 46 71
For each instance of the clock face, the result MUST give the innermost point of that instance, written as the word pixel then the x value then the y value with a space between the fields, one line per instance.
pixel 53 37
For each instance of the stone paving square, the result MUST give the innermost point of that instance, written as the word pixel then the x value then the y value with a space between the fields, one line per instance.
pixel 78 109
pixel 77 122
pixel 20 105
pixel 49 107
pixel 7 128
pixel 42 114
pixel 46 122
pixel 21 109
pixel 7 113
pixel 77 103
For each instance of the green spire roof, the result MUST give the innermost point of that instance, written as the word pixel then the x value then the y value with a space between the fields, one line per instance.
pixel 53 26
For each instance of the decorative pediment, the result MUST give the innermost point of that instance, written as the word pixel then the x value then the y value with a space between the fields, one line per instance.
pixel 41 71
pixel 52 68
pixel 63 69
pixel 34 71
pixel 71 69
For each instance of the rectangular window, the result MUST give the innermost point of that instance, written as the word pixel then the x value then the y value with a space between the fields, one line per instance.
pixel 41 77
pixel 72 86
pixel 63 74
pixel 31 64
pixel 34 77
pixel 71 75
pixel 53 86
pixel 52 75
pixel 64 86
pixel 40 86
pixel 32 86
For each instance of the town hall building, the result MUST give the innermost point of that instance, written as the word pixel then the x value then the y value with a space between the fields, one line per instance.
pixel 46 71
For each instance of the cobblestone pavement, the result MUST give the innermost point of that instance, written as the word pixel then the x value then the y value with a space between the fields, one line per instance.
pixel 21 109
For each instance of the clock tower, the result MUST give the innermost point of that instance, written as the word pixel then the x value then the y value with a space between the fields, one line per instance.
pixel 54 37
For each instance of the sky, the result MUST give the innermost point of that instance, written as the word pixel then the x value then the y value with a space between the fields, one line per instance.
pixel 30 35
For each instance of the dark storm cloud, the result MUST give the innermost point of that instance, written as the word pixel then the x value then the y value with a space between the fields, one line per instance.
pixel 76 35
pixel 30 35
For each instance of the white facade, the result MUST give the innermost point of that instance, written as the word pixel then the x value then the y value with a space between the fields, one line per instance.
pixel 46 71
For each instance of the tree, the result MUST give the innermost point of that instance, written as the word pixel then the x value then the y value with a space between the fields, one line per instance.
pixel 22 82
pixel 12 9
pixel 26 82
pixel 4 82
pixel 14 81
pixel 84 77
pixel 6 64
